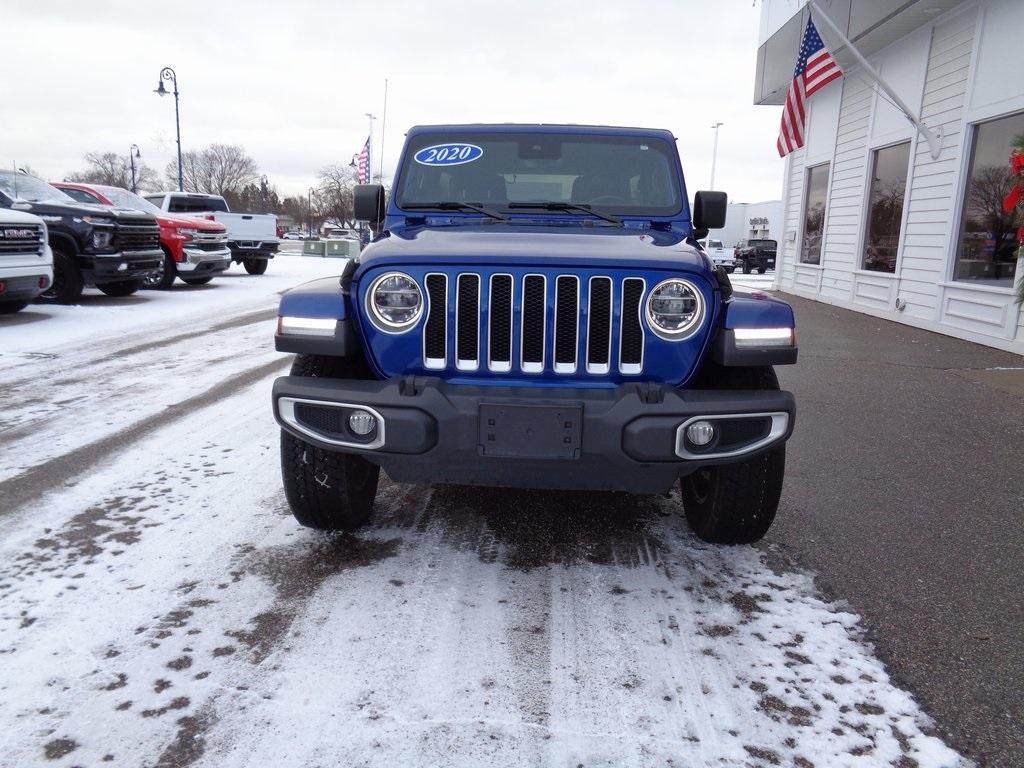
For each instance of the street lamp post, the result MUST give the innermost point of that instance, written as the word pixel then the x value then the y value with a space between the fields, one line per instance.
pixel 714 154
pixel 133 152
pixel 264 192
pixel 169 74
pixel 309 211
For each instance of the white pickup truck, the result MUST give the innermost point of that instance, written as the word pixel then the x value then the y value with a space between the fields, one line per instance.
pixel 26 262
pixel 252 237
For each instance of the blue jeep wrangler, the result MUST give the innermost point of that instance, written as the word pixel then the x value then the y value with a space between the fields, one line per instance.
pixel 535 311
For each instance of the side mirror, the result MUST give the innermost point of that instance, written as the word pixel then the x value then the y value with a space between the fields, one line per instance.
pixel 368 203
pixel 709 211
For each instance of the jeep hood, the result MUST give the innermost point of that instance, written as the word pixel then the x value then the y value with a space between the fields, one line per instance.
pixel 499 243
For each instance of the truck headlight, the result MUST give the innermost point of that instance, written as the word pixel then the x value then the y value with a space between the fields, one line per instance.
pixel 187 234
pixel 395 302
pixel 101 240
pixel 675 309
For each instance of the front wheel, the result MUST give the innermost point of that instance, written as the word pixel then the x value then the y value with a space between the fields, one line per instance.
pixel 761 270
pixel 746 268
pixel 120 287
pixel 255 266
pixel 67 284
pixel 163 278
pixel 735 503
pixel 327 490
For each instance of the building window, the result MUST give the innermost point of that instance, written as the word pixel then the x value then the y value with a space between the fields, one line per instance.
pixel 988 235
pixel 885 207
pixel 814 214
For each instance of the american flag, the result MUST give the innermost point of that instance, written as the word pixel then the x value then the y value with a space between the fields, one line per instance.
pixel 815 68
pixel 363 164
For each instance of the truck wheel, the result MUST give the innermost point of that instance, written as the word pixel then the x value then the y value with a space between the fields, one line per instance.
pixel 67 279
pixel 761 270
pixel 327 490
pixel 198 280
pixel 163 278
pixel 746 268
pixel 255 266
pixel 735 503
pixel 120 287
pixel 10 307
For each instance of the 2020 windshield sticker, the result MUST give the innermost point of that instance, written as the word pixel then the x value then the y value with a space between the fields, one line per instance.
pixel 454 153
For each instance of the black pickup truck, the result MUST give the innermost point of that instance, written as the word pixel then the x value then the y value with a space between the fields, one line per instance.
pixel 110 248
pixel 749 255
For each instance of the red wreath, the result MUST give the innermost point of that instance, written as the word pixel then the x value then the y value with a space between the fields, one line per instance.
pixel 1013 199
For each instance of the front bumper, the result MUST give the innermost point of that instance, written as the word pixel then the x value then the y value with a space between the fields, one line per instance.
pixel 629 438
pixel 24 283
pixel 199 261
pixel 252 249
pixel 125 265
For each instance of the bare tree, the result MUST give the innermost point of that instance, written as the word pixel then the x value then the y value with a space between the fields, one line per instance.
pixel 334 193
pixel 220 169
pixel 114 170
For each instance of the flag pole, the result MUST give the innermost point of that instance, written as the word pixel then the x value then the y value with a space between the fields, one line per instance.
pixel 933 137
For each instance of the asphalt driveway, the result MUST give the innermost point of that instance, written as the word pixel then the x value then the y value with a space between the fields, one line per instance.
pixel 905 492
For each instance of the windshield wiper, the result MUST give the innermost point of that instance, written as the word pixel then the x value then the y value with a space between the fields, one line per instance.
pixel 453 205
pixel 556 206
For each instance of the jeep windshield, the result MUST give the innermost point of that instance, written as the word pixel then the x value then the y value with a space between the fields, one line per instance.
pixel 539 173
pixel 21 186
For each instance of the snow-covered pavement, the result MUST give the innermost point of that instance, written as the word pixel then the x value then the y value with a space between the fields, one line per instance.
pixel 160 607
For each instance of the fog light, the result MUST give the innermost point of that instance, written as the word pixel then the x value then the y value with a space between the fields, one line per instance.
pixel 44 282
pixel 361 423
pixel 700 433
pixel 122 267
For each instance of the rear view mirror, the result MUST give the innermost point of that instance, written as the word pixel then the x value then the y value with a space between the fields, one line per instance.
pixel 368 202
pixel 709 210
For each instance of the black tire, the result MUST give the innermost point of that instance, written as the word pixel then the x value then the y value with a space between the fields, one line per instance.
pixel 761 270
pixel 164 278
pixel 10 307
pixel 120 287
pixel 255 266
pixel 67 279
pixel 735 503
pixel 327 490
pixel 746 268
pixel 198 280
pixel 730 270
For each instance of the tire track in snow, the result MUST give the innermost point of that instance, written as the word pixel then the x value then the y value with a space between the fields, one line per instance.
pixel 51 475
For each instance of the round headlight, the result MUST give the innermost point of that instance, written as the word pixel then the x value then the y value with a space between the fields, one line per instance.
pixel 395 302
pixel 675 309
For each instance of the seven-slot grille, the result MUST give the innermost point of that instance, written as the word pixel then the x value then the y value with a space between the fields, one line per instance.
pixel 21 239
pixel 137 238
pixel 487 326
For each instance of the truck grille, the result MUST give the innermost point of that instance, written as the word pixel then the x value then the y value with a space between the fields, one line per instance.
pixel 21 239
pixel 487 324
pixel 137 238
pixel 212 241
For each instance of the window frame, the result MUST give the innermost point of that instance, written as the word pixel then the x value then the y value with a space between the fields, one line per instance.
pixel 862 240
pixel 971 128
pixel 803 213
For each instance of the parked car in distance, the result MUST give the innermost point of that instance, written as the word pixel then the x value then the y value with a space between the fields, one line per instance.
pixel 111 248
pixel 252 237
pixel 293 236
pixel 195 249
pixel 341 234
pixel 749 255
pixel 579 341
pixel 26 261
pixel 718 254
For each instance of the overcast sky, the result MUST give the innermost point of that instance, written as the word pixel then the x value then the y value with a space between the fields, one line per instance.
pixel 291 80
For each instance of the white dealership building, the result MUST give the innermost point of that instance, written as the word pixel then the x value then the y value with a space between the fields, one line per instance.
pixel 871 220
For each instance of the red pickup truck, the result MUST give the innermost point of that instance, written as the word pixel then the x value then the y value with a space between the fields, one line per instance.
pixel 194 249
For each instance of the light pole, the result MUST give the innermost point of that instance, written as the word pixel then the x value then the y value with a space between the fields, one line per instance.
pixel 264 192
pixel 169 74
pixel 309 210
pixel 133 152
pixel 714 154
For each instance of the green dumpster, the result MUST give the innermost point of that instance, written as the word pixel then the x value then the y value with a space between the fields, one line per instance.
pixel 342 249
pixel 313 248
